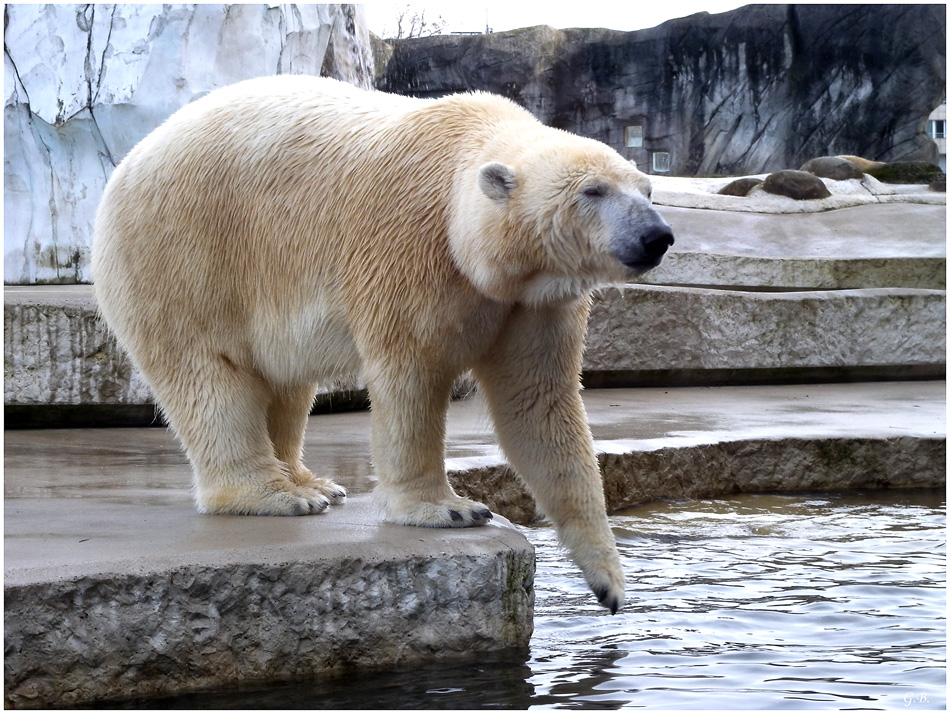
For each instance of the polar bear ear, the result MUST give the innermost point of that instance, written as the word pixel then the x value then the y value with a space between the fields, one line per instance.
pixel 497 181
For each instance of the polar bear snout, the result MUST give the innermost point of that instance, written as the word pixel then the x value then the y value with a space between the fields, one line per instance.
pixel 644 244
pixel 656 240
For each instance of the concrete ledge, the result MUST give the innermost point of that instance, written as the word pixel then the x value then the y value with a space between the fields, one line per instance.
pixel 115 587
pixel 745 272
pixel 633 478
pixel 703 442
pixel 115 611
pixel 58 351
pixel 640 328
pixel 62 368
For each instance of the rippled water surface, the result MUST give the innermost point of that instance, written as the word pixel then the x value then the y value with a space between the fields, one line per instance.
pixel 821 601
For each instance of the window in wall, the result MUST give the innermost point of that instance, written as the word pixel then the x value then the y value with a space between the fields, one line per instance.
pixel 937 128
pixel 661 162
pixel 633 136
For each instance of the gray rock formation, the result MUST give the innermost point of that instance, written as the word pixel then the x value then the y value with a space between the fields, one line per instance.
pixel 833 167
pixel 755 90
pixel 740 187
pixel 85 82
pixel 799 185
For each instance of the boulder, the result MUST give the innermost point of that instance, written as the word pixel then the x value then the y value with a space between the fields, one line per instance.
pixel 799 185
pixel 84 83
pixel 833 167
pixel 740 187
pixel 907 172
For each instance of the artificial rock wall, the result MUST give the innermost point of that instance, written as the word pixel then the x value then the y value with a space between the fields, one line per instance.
pixel 754 90
pixel 84 83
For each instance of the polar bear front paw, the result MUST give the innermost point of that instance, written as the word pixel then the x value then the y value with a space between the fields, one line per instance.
pixel 450 513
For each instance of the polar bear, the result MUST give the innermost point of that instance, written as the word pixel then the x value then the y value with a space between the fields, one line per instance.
pixel 288 230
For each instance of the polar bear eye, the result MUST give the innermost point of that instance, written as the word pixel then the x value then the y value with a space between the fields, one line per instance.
pixel 594 191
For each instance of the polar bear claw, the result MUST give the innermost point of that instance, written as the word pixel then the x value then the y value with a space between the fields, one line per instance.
pixel 450 513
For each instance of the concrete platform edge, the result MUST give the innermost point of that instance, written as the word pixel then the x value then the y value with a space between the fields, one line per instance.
pixel 258 600
pixel 141 631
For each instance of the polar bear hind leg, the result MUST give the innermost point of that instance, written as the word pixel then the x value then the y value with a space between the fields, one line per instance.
pixel 286 423
pixel 219 411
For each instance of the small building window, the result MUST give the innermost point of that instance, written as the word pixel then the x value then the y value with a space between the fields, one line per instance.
pixel 937 128
pixel 661 162
pixel 633 136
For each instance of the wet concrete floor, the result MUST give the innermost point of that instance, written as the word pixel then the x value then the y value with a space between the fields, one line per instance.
pixel 105 498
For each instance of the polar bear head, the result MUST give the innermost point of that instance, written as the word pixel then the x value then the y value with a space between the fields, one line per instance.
pixel 553 217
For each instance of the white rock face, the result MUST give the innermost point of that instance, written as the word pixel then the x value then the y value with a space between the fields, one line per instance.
pixel 84 83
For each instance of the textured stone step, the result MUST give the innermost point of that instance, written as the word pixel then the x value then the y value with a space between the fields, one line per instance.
pixel 643 335
pixel 154 599
pixel 762 273
pixel 702 442
pixel 61 366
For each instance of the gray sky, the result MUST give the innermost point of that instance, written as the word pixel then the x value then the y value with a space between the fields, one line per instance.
pixel 462 16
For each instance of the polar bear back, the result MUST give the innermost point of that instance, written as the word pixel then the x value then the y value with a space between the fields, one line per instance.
pixel 281 205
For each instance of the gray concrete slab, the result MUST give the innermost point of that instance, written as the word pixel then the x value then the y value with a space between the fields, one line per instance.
pixel 638 334
pixel 896 245
pixel 115 587
pixel 700 442
pixel 65 295
pixel 58 354
pixel 898 230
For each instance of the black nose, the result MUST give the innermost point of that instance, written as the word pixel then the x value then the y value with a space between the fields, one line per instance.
pixel 657 239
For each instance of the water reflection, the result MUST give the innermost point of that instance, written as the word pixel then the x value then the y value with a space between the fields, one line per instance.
pixel 500 681
pixel 752 602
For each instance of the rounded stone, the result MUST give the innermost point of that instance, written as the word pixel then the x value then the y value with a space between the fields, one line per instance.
pixel 740 187
pixel 799 185
pixel 833 167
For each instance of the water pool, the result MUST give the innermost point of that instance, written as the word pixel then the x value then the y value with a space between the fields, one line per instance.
pixel 799 601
